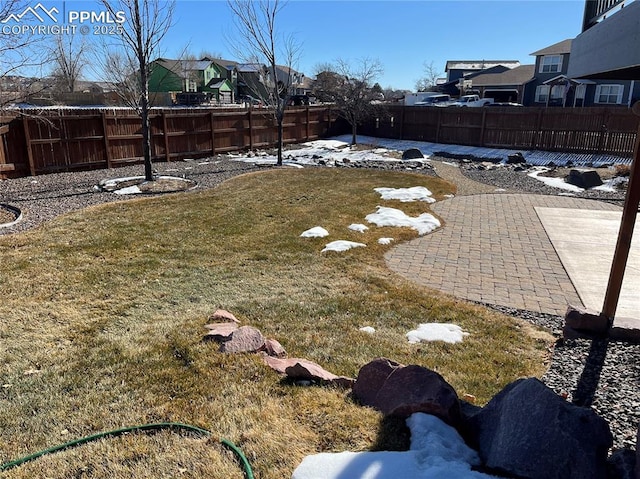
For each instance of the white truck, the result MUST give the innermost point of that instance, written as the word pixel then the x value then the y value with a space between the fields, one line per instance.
pixel 472 101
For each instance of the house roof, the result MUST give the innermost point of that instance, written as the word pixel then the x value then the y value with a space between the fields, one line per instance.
pixel 556 49
pixel 515 76
pixel 228 64
pixel 181 67
pixel 564 78
pixel 478 64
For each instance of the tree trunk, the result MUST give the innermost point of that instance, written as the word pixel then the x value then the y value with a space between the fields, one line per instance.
pixel 280 139
pixel 146 138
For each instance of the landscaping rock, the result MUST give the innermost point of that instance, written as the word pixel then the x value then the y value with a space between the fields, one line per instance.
pixel 417 389
pixel 622 465
pixel 412 154
pixel 398 390
pixel 515 159
pixel 245 339
pixel 527 430
pixel 583 321
pixel 274 348
pixel 370 379
pixel 584 179
pixel 222 315
pixel 220 331
pixel 297 368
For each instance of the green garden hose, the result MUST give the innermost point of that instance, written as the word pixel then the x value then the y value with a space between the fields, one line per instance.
pixel 146 427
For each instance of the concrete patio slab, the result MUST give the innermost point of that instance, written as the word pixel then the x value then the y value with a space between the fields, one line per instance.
pixel 585 242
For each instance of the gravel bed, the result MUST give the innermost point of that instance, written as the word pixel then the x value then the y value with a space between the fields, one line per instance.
pixel 43 197
pixel 509 178
pixel 604 375
pixel 575 367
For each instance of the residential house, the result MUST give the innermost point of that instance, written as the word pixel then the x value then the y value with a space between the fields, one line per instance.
pixel 190 77
pixel 229 71
pixel 553 86
pixel 607 48
pixel 456 69
pixel 504 86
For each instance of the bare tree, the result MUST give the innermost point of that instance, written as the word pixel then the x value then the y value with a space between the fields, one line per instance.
pixel 353 91
pixel 429 79
pixel 19 56
pixel 146 23
pixel 69 55
pixel 259 41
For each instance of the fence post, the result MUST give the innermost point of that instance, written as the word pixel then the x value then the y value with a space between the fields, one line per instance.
pixel 165 134
pixel 402 109
pixel 603 130
pixel 307 125
pixel 27 137
pixel 537 135
pixel 438 125
pixel 250 128
pixel 213 135
pixel 483 126
pixel 107 152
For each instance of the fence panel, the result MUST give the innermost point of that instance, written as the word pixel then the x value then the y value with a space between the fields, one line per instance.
pixel 579 130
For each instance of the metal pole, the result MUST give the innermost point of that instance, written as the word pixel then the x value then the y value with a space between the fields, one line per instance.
pixel 629 214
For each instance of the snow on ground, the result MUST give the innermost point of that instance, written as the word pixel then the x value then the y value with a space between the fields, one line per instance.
pixel 385 216
pixel 359 227
pixel 342 245
pixel 405 195
pixel 385 241
pixel 437 451
pixel 315 232
pixel 368 329
pixel 447 332
pixel 555 182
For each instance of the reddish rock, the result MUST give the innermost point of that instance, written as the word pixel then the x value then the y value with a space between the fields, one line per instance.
pixel 297 368
pixel 220 331
pixel 222 315
pixel 274 348
pixel 370 379
pixel 417 389
pixel 245 339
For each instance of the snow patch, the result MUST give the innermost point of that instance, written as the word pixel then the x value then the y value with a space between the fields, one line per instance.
pixel 414 193
pixel 447 332
pixel 315 232
pixel 342 245
pixel 384 216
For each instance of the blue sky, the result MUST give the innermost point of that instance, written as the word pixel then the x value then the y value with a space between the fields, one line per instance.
pixel 403 35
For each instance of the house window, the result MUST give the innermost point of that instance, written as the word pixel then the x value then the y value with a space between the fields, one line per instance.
pixel 611 94
pixel 542 93
pixel 551 64
pixel 581 91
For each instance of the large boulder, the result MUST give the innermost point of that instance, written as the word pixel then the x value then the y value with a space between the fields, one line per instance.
pixel 370 379
pixel 412 154
pixel 584 179
pixel 528 431
pixel 406 390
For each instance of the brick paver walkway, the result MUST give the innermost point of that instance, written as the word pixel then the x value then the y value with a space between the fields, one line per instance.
pixel 493 249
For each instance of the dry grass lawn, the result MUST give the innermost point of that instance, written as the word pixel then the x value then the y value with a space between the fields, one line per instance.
pixel 103 313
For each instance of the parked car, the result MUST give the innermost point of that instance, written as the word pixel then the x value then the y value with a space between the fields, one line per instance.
pixel 505 103
pixel 434 100
pixel 472 101
pixel 249 99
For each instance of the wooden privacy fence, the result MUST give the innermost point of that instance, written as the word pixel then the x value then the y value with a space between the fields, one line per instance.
pixel 69 139
pixel 572 130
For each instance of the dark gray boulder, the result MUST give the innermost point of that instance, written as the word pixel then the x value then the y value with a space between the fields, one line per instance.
pixel 583 179
pixel 528 431
pixel 412 154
